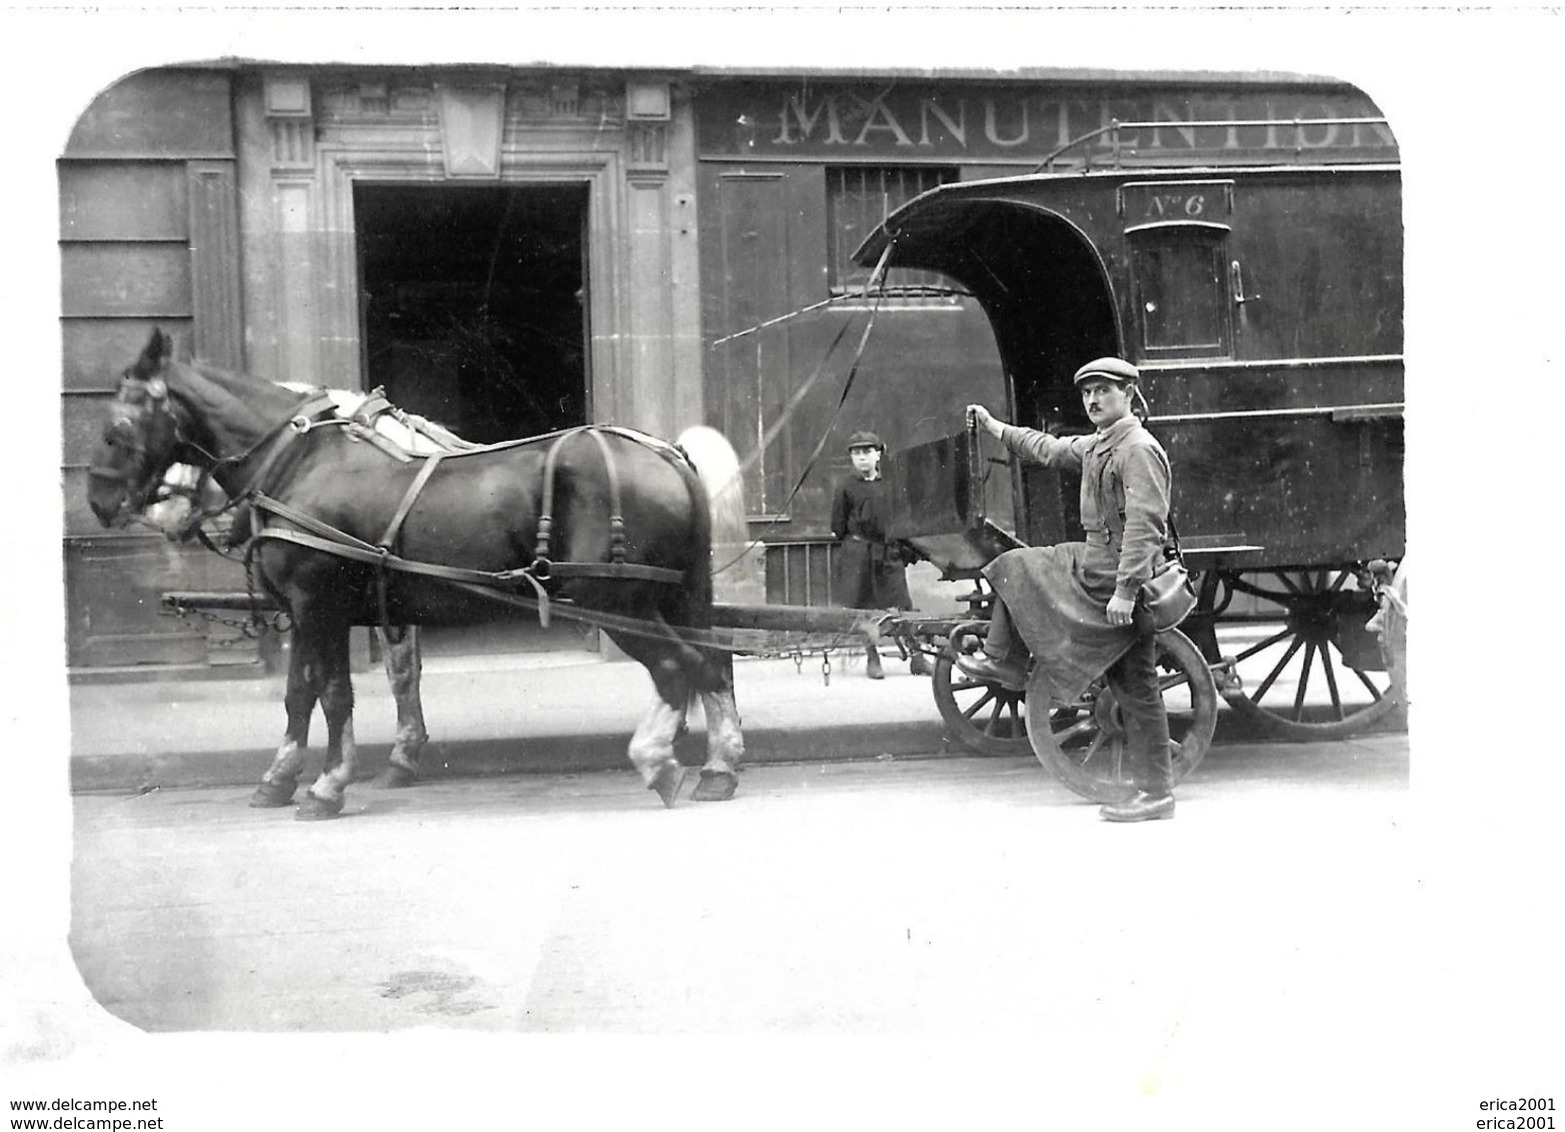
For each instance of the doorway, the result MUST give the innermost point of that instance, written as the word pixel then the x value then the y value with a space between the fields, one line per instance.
pixel 474 304
pixel 473 313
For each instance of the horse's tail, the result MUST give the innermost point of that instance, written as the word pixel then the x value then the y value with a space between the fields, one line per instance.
pixel 717 466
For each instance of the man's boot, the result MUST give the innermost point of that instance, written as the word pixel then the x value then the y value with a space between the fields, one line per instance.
pixel 872 667
pixel 1003 660
pixel 1141 807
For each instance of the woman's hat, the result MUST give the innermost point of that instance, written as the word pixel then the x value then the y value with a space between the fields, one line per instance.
pixel 1115 369
pixel 865 440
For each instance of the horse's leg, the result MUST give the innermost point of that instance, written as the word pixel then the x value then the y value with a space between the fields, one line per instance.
pixel 724 739
pixel 652 749
pixel 325 798
pixel 282 777
pixel 404 670
pixel 652 746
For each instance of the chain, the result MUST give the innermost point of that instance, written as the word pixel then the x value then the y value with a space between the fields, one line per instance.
pixel 250 628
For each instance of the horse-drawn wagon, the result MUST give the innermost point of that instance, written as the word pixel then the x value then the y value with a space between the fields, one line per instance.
pixel 1263 307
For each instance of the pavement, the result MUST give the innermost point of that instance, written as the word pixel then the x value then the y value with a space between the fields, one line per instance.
pixel 492 714
pixel 489 714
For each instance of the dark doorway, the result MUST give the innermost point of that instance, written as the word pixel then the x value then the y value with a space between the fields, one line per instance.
pixel 474 304
pixel 474 314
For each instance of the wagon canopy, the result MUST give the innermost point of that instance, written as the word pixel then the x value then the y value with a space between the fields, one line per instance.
pixel 1038 277
pixel 987 236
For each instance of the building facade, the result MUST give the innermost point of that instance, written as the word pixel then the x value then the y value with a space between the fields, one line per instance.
pixel 515 250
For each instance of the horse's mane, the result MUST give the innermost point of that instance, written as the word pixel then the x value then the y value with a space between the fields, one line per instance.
pixel 225 391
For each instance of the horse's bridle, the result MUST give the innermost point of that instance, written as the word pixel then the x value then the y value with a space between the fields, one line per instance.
pixel 123 433
pixel 159 403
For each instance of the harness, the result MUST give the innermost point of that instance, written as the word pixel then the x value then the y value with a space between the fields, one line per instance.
pixel 316 534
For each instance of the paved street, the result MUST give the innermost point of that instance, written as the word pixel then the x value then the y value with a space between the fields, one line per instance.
pixel 881 896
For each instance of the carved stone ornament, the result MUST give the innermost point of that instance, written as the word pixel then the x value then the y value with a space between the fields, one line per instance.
pixel 648 143
pixel 472 125
pixel 290 120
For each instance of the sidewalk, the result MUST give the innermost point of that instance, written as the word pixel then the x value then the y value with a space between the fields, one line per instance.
pixel 543 713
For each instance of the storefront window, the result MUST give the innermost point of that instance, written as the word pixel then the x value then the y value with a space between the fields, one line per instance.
pixel 858 198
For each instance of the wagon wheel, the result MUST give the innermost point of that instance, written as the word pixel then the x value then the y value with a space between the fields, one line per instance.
pixel 983 717
pixel 1307 667
pixel 1084 743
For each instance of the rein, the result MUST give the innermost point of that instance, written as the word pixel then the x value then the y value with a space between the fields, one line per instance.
pixel 508 587
pixel 300 421
pixel 319 409
pixel 780 512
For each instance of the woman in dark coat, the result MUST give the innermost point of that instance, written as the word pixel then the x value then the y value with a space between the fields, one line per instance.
pixel 870 568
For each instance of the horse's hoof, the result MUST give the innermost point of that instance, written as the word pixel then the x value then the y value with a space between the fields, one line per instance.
pixel 715 786
pixel 395 777
pixel 669 778
pixel 274 794
pixel 317 809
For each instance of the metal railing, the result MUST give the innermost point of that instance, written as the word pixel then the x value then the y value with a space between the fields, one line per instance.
pixel 1117 146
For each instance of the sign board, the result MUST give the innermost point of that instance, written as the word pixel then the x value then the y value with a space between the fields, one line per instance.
pixel 897 122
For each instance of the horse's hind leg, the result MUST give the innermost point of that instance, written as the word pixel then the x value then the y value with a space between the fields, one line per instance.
pixel 652 749
pixel 282 777
pixel 326 796
pixel 404 671
pixel 724 739
pixel 652 746
pixel 679 669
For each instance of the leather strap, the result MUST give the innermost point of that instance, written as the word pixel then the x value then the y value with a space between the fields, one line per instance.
pixel 543 543
pixel 299 422
pixel 415 489
pixel 319 535
pixel 370 435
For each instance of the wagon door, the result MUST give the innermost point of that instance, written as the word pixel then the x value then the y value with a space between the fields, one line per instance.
pixel 1182 309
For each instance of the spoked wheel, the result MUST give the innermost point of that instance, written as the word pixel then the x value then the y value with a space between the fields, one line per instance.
pixel 986 718
pixel 1307 666
pixel 1084 743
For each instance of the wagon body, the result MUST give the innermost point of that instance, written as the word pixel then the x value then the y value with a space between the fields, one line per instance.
pixel 1263 305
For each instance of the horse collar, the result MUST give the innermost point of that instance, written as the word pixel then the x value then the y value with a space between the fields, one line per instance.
pixel 280 437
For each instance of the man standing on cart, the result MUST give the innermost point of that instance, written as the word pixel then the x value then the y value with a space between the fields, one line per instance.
pixel 1074 604
pixel 871 569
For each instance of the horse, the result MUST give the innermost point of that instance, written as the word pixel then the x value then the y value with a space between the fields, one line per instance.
pixel 346 535
pixel 187 497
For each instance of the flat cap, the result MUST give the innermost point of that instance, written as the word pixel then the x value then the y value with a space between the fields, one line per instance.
pixel 865 440
pixel 1115 369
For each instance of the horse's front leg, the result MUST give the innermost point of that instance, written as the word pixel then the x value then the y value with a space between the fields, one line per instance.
pixel 404 672
pixel 724 739
pixel 282 777
pixel 325 798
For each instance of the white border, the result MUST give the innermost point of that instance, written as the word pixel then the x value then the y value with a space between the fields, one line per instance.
pixel 1471 96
